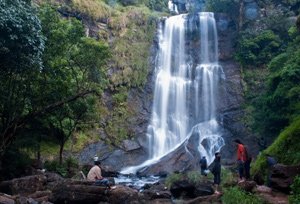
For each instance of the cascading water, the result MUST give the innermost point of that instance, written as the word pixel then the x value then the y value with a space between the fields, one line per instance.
pixel 186 90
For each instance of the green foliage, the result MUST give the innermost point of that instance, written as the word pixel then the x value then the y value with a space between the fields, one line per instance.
pixel 118 126
pixel 194 177
pixel 259 49
pixel 171 178
pixel 158 5
pixel 282 91
pixel 15 163
pixel 134 29
pixel 21 48
pixel 285 149
pixel 227 177
pixel 295 197
pixel 230 7
pixel 70 67
pixel 67 169
pixel 74 66
pixel 94 9
pixel 235 195
pixel 21 41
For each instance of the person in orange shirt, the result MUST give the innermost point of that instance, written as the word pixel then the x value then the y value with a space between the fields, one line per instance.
pixel 241 158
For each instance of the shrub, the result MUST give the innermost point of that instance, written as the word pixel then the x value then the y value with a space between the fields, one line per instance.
pixel 67 169
pixel 194 177
pixel 258 49
pixel 295 197
pixel 286 149
pixel 235 195
pixel 95 9
pixel 171 178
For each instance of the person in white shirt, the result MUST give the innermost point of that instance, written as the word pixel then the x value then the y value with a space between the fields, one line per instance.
pixel 96 176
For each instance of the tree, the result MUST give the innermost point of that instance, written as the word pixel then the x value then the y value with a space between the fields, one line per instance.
pixel 21 48
pixel 40 79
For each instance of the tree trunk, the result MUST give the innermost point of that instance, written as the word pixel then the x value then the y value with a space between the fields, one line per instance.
pixel 241 13
pixel 61 149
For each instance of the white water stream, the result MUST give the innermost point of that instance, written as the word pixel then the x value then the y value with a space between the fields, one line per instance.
pixel 185 94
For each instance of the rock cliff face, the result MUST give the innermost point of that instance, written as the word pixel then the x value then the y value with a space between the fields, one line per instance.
pixel 133 152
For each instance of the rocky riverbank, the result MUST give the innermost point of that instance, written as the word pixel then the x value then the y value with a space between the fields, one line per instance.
pixel 49 188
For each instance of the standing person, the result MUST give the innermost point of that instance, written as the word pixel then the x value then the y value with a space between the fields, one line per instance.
pixel 241 159
pixel 271 161
pixel 247 163
pixel 203 166
pixel 95 175
pixel 216 171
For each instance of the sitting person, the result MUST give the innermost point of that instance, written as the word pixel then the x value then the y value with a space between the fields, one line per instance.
pixel 95 175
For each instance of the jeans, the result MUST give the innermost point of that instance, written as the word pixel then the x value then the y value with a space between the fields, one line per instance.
pixel 217 178
pixel 102 182
pixel 247 169
pixel 241 168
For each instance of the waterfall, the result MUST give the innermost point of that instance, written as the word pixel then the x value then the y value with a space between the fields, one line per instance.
pixel 186 89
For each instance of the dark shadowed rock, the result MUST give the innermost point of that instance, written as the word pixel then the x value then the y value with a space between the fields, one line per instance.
pixel 247 185
pixel 186 189
pixel 24 186
pixel 53 177
pixel 123 194
pixel 258 178
pixel 282 176
pixel 161 201
pixel 70 191
pixel 158 191
pixel 41 196
pixel 214 198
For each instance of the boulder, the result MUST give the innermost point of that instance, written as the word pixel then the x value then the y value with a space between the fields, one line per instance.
pixel 186 189
pixel 214 198
pixel 269 196
pixel 24 186
pixel 41 196
pixel 247 186
pixel 53 177
pixel 70 191
pixel 130 145
pixel 282 176
pixel 158 191
pixel 123 194
pixel 6 199
pixel 182 159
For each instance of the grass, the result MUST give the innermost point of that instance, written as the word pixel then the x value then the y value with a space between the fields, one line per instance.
pixel 134 29
pixel 81 139
pixel 95 9
pixel 234 195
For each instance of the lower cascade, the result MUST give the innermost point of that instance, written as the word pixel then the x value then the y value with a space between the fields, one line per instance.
pixel 186 88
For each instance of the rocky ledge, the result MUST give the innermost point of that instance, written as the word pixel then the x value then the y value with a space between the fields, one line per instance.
pixel 49 188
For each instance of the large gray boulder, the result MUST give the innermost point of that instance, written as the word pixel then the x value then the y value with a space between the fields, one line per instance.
pixel 182 159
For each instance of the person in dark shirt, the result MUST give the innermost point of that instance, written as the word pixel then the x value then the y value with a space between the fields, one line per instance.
pixel 271 161
pixel 216 171
pixel 203 166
